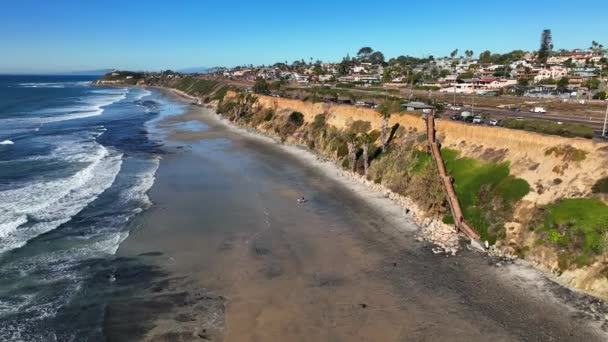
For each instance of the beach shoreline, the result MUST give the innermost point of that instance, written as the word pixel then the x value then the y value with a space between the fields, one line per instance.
pixel 273 265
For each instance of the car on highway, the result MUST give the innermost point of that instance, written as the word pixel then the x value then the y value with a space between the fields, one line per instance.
pixel 456 117
pixel 468 119
pixel 478 119
pixel 494 122
pixel 519 118
pixel 541 110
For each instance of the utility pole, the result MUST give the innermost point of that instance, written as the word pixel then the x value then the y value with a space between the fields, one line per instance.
pixel 454 85
pixel 605 122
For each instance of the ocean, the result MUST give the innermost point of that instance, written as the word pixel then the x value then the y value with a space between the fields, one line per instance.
pixel 76 162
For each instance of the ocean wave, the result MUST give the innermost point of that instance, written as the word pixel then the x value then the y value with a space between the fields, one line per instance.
pixel 141 95
pixel 54 84
pixel 141 185
pixel 47 205
pixel 91 106
pixel 7 142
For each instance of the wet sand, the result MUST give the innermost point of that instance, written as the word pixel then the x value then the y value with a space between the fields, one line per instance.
pixel 227 253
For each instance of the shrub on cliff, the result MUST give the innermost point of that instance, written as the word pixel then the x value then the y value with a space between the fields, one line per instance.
pixel 411 173
pixel 577 228
pixel 360 126
pixel 319 122
pixel 601 186
pixel 296 119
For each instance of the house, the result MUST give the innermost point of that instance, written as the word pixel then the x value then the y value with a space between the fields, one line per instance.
pixel 551 73
pixel 478 85
pixel 300 78
pixel 359 78
pixel 584 72
pixel 325 78
pixel 358 69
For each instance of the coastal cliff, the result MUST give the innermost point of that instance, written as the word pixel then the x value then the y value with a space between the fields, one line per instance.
pixel 539 197
pixel 535 196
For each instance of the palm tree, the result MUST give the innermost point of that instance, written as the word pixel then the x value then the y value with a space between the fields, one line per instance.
pixel 365 140
pixel 351 143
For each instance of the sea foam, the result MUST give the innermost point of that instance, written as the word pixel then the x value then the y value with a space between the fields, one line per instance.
pixel 39 207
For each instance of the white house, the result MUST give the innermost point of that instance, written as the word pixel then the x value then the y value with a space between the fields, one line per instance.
pixel 478 85
pixel 555 73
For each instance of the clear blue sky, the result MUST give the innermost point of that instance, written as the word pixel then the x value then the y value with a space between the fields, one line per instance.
pixel 62 35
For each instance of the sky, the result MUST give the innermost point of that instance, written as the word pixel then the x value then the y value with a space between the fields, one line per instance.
pixel 67 35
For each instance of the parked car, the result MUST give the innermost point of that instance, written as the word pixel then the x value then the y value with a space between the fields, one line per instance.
pixel 468 119
pixel 456 117
pixel 494 122
pixel 478 119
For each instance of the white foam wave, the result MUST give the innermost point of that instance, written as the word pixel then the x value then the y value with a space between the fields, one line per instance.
pixel 54 84
pixel 143 94
pixel 50 204
pixel 142 184
pixel 90 106
pixel 6 142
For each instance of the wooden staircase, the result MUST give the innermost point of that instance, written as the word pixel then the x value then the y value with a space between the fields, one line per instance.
pixel 447 181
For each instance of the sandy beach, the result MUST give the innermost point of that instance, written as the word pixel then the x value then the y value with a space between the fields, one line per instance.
pixel 227 253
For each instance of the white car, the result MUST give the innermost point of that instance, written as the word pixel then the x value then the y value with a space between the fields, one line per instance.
pixel 493 122
pixel 541 110
pixel 477 119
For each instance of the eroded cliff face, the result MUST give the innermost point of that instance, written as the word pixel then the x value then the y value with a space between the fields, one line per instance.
pixel 554 167
pixel 530 154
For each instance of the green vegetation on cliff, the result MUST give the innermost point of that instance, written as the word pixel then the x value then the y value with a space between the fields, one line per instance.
pixel 194 86
pixel 486 191
pixel 578 227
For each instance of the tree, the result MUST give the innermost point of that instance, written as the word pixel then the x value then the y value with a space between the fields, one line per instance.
pixel 351 144
pixel 365 140
pixel 546 45
pixel 454 53
pixel 469 54
pixel 364 53
pixel 562 84
pixel 592 84
pixel 344 66
pixel 385 109
pixel 376 58
pixel 569 63
pixel 600 95
pixel 261 86
pixel 485 57
pixel 318 70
